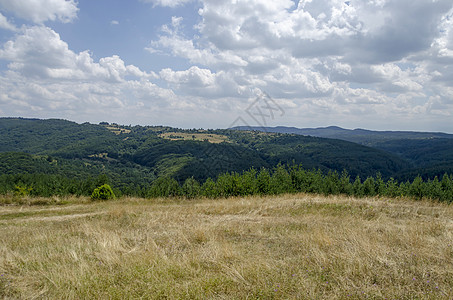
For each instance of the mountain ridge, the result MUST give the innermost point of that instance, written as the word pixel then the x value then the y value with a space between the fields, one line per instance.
pixel 429 153
pixel 332 131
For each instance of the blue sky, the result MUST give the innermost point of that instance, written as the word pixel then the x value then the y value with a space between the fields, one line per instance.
pixel 378 64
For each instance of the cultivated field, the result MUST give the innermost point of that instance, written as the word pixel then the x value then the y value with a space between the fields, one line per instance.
pixel 286 247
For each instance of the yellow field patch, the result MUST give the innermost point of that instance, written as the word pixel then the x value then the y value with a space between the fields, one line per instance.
pixel 118 130
pixel 181 136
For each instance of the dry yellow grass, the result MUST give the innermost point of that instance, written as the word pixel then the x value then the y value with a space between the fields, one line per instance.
pixel 287 247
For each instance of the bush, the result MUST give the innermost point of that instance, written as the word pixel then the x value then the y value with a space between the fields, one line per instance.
pixel 104 192
pixel 22 190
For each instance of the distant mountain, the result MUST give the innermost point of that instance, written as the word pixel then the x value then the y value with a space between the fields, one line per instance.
pixel 360 136
pixel 428 153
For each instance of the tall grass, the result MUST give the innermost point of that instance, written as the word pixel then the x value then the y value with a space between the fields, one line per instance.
pixel 286 247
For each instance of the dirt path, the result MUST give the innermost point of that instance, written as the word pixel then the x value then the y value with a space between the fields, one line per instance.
pixel 50 214
pixel 61 218
pixel 8 209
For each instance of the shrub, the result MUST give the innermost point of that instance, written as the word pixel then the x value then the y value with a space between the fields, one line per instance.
pixel 104 192
pixel 22 190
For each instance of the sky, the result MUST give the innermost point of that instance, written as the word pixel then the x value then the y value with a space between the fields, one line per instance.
pixel 373 64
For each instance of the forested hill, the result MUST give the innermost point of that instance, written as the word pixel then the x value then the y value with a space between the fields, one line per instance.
pixel 132 156
pixel 429 154
pixel 360 136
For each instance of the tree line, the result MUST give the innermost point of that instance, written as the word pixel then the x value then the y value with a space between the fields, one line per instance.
pixel 278 180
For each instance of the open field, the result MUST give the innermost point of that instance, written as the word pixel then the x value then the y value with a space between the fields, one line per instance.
pixel 286 247
pixel 210 137
pixel 117 129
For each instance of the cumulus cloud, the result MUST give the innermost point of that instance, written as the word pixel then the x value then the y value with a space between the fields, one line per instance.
pixel 389 60
pixel 5 24
pixel 333 57
pixel 39 52
pixel 41 11
pixel 47 79
pixel 410 27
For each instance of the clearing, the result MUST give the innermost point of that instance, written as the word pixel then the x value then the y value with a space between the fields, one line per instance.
pixel 182 136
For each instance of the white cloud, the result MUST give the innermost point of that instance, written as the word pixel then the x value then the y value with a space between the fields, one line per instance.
pixel 47 79
pixel 5 24
pixel 41 11
pixel 202 82
pixel 194 77
pixel 392 75
pixel 114 22
pixel 167 3
pixel 341 61
pixel 359 57
pixel 39 52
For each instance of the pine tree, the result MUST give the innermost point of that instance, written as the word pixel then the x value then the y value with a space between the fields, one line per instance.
pixel 209 189
pixel 380 186
pixel 416 189
pixel 369 188
pixel 357 187
pixel 263 182
pixel 391 188
pixel 345 184
pixel 280 181
pixel 191 188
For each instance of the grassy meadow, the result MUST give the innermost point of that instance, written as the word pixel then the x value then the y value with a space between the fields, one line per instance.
pixel 286 247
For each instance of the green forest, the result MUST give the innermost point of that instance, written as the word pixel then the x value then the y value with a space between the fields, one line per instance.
pixel 59 157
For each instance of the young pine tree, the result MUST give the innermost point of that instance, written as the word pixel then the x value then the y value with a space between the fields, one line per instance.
pixel 191 188
pixel 357 187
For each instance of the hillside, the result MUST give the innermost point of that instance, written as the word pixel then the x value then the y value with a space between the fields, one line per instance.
pixel 427 153
pixel 359 136
pixel 134 156
pixel 288 247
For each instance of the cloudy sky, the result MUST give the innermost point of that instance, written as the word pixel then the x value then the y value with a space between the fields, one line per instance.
pixel 375 64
